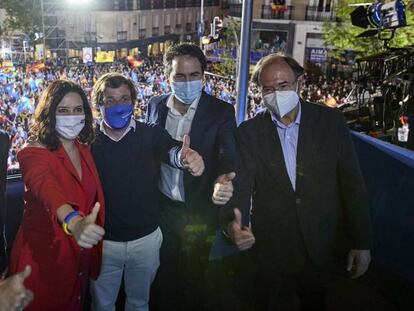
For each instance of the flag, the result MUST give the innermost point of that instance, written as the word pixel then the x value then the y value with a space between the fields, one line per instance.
pixel 135 63
pixel 104 57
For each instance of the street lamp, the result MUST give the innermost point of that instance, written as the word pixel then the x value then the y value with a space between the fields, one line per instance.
pixel 26 40
pixel 43 29
pixel 78 2
pixel 201 32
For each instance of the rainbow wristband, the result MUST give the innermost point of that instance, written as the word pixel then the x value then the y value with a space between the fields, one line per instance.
pixel 66 221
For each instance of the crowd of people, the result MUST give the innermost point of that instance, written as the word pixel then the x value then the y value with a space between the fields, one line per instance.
pixel 20 91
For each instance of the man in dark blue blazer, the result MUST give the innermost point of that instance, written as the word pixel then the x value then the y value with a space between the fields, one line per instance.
pixel 189 206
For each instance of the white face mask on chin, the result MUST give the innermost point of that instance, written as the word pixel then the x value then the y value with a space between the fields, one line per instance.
pixel 69 127
pixel 281 102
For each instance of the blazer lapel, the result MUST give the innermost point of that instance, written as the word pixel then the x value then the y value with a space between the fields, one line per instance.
pixel 305 145
pixel 86 156
pixel 274 154
pixel 163 111
pixel 67 163
pixel 200 122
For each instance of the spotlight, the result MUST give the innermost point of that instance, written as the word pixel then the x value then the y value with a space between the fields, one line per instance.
pixel 380 15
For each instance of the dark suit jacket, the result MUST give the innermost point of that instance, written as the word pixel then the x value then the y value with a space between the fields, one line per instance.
pixel 212 136
pixel 291 225
pixel 4 152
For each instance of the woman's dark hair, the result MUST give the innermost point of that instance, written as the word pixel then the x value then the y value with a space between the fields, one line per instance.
pixel 43 129
pixel 113 80
pixel 273 58
pixel 184 49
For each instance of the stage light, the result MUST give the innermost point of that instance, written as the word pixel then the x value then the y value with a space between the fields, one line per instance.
pixel 380 15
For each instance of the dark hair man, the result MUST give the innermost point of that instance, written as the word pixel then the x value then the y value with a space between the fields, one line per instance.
pixel 189 206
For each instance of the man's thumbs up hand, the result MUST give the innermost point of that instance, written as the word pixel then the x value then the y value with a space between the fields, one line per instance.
pixel 223 188
pixel 13 294
pixel 190 159
pixel 241 236
pixel 85 230
pixel 186 146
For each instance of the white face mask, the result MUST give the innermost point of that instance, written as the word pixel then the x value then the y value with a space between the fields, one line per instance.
pixel 281 102
pixel 187 92
pixel 69 127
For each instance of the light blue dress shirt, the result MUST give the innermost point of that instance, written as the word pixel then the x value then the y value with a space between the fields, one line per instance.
pixel 288 135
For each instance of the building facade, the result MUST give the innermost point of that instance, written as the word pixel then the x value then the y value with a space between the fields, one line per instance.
pixel 293 27
pixel 13 44
pixel 131 27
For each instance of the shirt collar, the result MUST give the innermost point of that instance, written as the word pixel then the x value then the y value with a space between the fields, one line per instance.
pixel 279 124
pixel 193 106
pixel 132 125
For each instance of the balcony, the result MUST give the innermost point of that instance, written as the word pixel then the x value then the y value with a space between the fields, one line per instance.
pixel 180 3
pixel 211 2
pixel 235 10
pixel 121 36
pixel 142 33
pixel 155 31
pixel 321 14
pixel 158 4
pixel 188 3
pixel 268 13
pixel 145 5
pixel 170 4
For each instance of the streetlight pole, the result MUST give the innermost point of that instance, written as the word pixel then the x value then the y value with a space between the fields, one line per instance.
pixel 43 30
pixel 201 24
pixel 244 60
pixel 24 50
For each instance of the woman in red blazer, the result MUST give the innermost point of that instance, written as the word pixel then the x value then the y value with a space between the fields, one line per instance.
pixel 62 227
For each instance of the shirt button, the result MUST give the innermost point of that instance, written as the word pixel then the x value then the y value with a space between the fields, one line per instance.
pixel 298 201
pixel 79 297
pixel 80 274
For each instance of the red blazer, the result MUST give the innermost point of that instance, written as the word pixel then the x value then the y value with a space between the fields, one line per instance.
pixel 51 181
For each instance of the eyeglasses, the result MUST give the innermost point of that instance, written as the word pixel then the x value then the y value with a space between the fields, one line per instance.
pixel 283 86
pixel 110 101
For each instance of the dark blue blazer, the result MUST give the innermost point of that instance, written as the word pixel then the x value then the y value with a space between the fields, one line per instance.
pixel 212 135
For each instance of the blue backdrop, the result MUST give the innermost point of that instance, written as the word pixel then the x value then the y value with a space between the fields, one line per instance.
pixel 389 174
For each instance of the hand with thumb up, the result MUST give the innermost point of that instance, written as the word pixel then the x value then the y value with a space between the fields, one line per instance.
pixel 85 230
pixel 13 294
pixel 241 236
pixel 223 188
pixel 190 159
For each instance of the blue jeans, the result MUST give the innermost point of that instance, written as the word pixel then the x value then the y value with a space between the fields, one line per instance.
pixel 139 261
